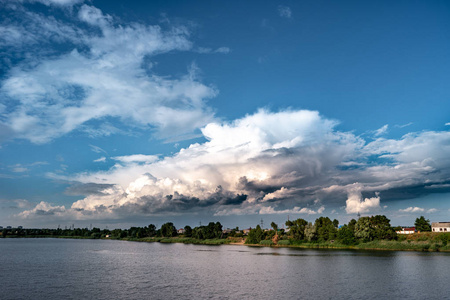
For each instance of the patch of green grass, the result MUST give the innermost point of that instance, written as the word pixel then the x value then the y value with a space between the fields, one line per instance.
pixel 284 242
pixel 266 242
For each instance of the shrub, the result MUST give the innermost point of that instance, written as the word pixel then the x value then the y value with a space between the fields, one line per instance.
pixel 284 242
pixel 266 242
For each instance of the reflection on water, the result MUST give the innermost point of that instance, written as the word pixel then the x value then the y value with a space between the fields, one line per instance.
pixel 96 269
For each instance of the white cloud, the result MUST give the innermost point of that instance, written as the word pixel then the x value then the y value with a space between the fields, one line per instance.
pixel 97 149
pixel 269 162
pixel 101 159
pixel 284 12
pixel 136 158
pixel 19 169
pixel 58 2
pixel 381 131
pixel 412 209
pixel 418 209
pixel 296 210
pixel 223 50
pixel 43 209
pixel 109 81
pixel 447 124
pixel 356 204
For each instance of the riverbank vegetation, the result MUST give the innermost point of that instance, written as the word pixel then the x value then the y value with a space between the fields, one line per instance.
pixel 373 233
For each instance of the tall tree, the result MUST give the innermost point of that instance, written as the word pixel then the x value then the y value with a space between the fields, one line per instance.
pixel 187 231
pixel 168 230
pixel 274 226
pixel 422 224
pixel 297 229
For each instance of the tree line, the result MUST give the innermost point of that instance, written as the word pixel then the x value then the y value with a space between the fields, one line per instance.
pixel 324 229
pixel 365 229
pixel 211 231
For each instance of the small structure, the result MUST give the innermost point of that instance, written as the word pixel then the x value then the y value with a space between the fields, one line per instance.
pixel 246 231
pixel 440 226
pixel 407 230
pixel 180 231
pixel 1 227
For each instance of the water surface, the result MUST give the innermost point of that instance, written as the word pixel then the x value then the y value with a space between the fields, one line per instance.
pixel 102 269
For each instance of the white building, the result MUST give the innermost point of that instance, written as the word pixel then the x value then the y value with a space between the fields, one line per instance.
pixel 440 226
pixel 407 230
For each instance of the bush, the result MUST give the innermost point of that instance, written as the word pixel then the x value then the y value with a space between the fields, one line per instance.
pixel 266 242
pixel 284 242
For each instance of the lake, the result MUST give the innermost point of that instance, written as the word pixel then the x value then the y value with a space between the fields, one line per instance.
pixel 105 269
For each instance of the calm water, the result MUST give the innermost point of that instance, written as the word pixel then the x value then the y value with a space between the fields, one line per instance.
pixel 98 269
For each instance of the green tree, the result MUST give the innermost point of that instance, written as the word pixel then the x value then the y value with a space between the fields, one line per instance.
pixel 168 230
pixel 274 226
pixel 336 223
pixel 325 229
pixel 297 229
pixel 382 227
pixel 254 236
pixel 310 232
pixel 422 224
pixel 346 235
pixel 151 230
pixel 374 228
pixel 187 231
pixel 363 230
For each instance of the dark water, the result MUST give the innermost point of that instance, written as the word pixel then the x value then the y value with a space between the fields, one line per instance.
pixel 98 269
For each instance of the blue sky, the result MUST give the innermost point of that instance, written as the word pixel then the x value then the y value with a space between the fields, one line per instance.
pixel 128 114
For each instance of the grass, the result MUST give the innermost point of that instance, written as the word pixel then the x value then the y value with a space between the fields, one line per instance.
pixel 266 243
pixel 426 241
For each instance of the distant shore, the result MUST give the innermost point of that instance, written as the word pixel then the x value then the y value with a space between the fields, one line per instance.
pixel 382 245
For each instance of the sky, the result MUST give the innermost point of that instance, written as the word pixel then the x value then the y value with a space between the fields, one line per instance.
pixel 121 114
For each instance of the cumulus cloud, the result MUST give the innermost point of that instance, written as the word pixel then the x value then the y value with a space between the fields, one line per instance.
pixel 291 161
pixel 105 75
pixel 417 210
pixel 43 209
pixel 356 204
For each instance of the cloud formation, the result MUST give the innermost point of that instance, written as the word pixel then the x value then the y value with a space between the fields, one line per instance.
pixel 417 210
pixel 103 73
pixel 285 12
pixel 286 162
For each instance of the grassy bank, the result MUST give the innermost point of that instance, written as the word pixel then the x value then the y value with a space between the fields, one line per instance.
pixel 427 241
pixel 184 240
pixel 415 242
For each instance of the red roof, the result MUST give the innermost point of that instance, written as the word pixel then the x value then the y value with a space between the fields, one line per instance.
pixel 409 229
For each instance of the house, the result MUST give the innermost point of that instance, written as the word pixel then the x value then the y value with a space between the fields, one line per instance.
pixel 407 230
pixel 246 231
pixel 180 231
pixel 440 226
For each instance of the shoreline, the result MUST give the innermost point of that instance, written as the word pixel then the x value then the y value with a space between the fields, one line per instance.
pixel 382 245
